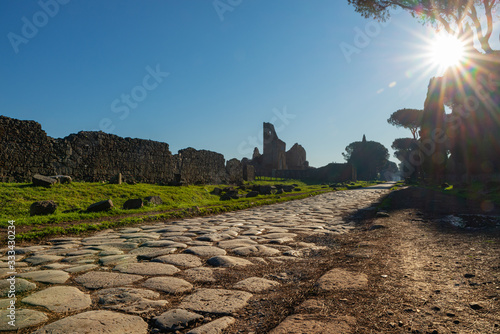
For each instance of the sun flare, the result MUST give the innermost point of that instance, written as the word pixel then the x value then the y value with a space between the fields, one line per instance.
pixel 446 51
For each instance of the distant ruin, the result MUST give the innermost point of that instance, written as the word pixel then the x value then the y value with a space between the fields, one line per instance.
pixel 275 157
pixel 275 161
pixel 93 156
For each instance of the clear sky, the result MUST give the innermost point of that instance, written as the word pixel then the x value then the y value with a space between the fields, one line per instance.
pixel 193 74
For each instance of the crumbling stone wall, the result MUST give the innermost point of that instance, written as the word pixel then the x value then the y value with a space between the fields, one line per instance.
pixel 234 170
pixel 248 172
pixel 200 167
pixel 25 150
pixel 96 156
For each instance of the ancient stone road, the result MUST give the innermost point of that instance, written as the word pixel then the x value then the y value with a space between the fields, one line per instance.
pixel 77 285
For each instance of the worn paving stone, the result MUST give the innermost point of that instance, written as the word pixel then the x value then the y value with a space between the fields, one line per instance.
pixel 102 279
pixel 130 230
pixel 21 265
pixel 124 246
pixel 310 324
pixel 29 249
pixel 199 243
pixel 57 266
pixel 111 241
pixel 176 319
pixel 169 285
pixel 80 252
pixel 164 243
pixel 214 237
pixel 104 249
pixel 65 240
pixel 60 299
pixel 280 241
pixel 42 259
pixel 113 260
pixel 47 276
pixel 4 303
pixel 205 251
pixel 201 275
pixel 172 229
pixel 147 268
pixel 253 232
pixel 311 306
pixel 80 259
pixel 214 327
pixel 24 318
pixel 228 261
pixel 141 236
pixel 340 279
pixel 21 286
pixel 256 250
pixel 177 238
pixel 181 260
pixel 256 284
pixel 5 272
pixel 17 258
pixel 216 301
pixel 131 300
pixel 101 321
pixel 80 269
pixel 146 253
pixel 111 252
pixel 279 235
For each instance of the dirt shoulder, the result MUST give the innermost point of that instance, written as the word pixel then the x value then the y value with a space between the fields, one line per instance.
pixel 424 275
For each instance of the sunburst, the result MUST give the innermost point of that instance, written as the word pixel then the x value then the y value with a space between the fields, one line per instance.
pixel 446 51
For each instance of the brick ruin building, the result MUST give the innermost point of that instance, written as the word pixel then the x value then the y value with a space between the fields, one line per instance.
pixel 275 161
pixel 275 157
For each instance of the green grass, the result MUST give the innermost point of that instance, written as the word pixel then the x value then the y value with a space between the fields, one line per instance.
pixel 398 185
pixel 74 198
pixel 476 191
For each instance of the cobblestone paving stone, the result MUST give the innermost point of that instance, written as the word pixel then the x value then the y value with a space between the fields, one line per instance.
pixel 148 271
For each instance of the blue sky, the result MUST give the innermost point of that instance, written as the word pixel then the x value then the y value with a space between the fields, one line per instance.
pixel 193 75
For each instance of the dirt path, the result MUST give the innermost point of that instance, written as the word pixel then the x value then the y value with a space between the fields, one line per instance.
pixel 423 275
pixel 446 278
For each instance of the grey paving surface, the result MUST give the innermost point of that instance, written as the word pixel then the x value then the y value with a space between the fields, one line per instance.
pixel 149 270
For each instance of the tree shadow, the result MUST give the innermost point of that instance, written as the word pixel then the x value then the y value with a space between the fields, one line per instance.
pixel 443 213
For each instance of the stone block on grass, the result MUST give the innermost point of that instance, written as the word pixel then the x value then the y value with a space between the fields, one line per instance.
pixel 100 206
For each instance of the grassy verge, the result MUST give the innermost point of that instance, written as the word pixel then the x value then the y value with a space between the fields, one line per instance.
pixel 179 202
pixel 476 191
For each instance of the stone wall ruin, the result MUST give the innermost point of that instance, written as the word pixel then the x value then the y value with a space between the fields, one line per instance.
pixel 26 150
